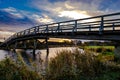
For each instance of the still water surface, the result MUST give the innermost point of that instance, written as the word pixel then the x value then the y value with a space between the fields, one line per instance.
pixel 26 54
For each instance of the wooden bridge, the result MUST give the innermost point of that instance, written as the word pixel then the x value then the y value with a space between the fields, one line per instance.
pixel 104 27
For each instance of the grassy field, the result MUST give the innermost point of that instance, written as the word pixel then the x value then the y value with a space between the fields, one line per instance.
pixel 95 47
pixel 106 50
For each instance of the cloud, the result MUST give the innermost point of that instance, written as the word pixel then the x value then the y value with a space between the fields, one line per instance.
pixel 74 14
pixel 73 9
pixel 35 18
pixel 41 19
pixel 110 5
pixel 69 9
pixel 13 11
pixel 9 16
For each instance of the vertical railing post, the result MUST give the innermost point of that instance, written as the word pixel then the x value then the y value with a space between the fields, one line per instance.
pixel 38 29
pixel 101 28
pixel 58 29
pixel 89 27
pixel 24 32
pixel 28 31
pixel 17 35
pixel 75 27
pixel 52 30
pixel 35 30
pixel 61 29
pixel 46 29
pixel 113 26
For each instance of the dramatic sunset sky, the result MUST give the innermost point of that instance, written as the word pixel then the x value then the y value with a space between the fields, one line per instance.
pixel 17 15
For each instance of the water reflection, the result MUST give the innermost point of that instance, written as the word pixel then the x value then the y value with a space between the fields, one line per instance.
pixel 3 54
pixel 27 55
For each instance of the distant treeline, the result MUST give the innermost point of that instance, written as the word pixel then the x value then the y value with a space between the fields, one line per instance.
pixel 40 45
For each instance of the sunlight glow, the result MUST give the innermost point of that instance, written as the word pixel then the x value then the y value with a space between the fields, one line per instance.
pixel 5 35
pixel 59 40
pixel 74 14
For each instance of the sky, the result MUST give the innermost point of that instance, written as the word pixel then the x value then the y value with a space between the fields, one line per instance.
pixel 17 15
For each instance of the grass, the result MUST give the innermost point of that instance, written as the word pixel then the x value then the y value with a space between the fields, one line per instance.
pixel 107 47
pixel 105 50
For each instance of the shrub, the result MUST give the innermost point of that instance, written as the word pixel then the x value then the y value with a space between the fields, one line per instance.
pixel 72 66
pixel 12 71
pixel 61 66
pixel 87 64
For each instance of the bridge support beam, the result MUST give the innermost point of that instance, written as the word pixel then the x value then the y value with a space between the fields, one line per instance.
pixel 34 49
pixel 14 49
pixel 8 49
pixel 15 46
pixel 24 43
pixel 47 54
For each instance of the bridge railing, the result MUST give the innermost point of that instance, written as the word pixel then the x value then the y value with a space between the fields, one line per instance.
pixel 98 23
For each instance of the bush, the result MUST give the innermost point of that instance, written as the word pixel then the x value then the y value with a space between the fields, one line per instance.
pixel 72 66
pixel 12 71
pixel 83 66
pixel 61 66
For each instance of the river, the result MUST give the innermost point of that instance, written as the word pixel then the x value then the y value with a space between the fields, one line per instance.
pixel 39 53
pixel 40 56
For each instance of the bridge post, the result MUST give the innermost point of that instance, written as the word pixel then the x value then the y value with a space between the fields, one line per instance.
pixel 15 46
pixel 14 50
pixel 34 49
pixel 47 54
pixel 8 49
pixel 7 46
pixel 101 25
pixel 25 46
